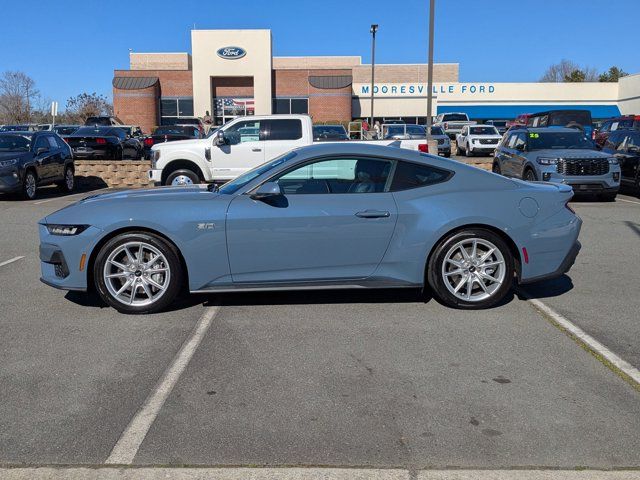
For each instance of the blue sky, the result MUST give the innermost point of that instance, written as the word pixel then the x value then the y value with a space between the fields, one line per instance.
pixel 72 46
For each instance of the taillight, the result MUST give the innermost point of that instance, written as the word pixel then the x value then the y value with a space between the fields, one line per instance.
pixel 569 208
pixel 593 134
pixel 148 141
pixel 423 147
pixel 101 141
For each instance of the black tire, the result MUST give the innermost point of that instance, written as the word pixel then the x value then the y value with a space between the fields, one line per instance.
pixel 447 155
pixel 191 175
pixel 435 276
pixel 67 185
pixel 496 168
pixel 29 189
pixel 458 151
pixel 119 153
pixel 529 175
pixel 172 288
pixel 607 197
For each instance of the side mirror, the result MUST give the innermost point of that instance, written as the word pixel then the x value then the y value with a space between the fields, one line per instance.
pixel 218 138
pixel 267 190
pixel 520 147
pixel 41 150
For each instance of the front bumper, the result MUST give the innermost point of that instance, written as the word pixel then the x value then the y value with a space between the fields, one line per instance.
pixel 60 258
pixel 10 182
pixel 584 183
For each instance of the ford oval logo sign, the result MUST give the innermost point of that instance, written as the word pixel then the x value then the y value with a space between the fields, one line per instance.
pixel 231 53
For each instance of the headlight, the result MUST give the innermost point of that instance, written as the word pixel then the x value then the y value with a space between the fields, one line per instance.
pixel 66 230
pixel 547 160
pixel 613 160
pixel 8 163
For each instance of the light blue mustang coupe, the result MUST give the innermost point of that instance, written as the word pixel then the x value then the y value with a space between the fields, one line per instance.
pixel 323 216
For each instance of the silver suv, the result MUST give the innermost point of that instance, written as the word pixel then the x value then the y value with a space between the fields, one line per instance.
pixel 558 154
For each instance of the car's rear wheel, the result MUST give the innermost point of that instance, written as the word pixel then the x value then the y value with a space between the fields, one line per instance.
pixel 471 269
pixel 29 185
pixel 496 168
pixel 138 273
pixel 182 177
pixel 68 183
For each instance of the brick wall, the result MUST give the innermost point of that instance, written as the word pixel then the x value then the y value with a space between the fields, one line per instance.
pixel 113 173
pixel 232 87
pixel 442 72
pixel 324 104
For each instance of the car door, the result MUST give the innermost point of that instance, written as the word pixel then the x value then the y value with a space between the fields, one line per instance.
pixel 628 154
pixel 518 159
pixel 43 159
pixel 332 222
pixel 243 149
pixel 57 160
pixel 506 153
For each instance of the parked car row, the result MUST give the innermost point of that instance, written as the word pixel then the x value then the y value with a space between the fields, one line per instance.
pixel 29 160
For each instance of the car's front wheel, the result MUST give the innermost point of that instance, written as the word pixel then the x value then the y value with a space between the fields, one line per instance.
pixel 29 185
pixel 471 269
pixel 182 177
pixel 138 272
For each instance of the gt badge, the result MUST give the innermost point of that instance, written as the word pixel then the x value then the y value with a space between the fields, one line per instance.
pixel 206 226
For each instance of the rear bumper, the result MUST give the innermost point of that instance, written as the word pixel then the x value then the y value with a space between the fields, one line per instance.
pixel 564 267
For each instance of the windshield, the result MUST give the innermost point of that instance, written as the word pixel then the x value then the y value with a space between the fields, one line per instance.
pixel 499 123
pixel 173 130
pixel 455 117
pixel 553 140
pixel 329 130
pixel 15 143
pixel 234 185
pixel 483 131
pixel 561 119
pixel 437 131
pixel 65 130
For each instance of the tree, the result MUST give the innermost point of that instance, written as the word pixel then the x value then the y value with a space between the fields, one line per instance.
pixel 17 95
pixel 86 105
pixel 613 75
pixel 568 71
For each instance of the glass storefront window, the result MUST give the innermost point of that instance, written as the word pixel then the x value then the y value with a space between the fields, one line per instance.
pixel 290 105
pixel 174 108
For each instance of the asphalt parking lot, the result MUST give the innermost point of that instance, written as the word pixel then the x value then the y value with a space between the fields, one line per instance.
pixel 341 379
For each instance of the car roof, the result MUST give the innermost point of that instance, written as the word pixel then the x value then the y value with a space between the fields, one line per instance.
pixel 548 129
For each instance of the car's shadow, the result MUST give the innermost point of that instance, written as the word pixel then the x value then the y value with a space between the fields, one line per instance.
pixel 547 289
pixel 292 297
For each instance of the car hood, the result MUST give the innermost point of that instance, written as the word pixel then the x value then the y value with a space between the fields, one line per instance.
pixel 181 143
pixel 116 206
pixel 569 153
pixel 10 155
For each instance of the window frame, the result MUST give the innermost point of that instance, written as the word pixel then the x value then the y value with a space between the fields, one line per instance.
pixel 388 183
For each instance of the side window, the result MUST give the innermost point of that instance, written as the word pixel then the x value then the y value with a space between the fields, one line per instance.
pixel 512 140
pixel 243 132
pixel 41 142
pixel 343 175
pixel 52 142
pixel 505 140
pixel 413 175
pixel 520 140
pixel 284 130
pixel 606 126
pixel 633 143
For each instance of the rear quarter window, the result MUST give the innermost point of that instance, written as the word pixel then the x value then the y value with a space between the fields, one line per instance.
pixel 285 130
pixel 413 175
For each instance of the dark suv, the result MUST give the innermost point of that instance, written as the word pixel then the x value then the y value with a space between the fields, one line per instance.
pixel 625 146
pixel 32 159
pixel 628 122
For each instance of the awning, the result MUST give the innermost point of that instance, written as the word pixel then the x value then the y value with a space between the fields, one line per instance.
pixel 508 112
pixel 134 83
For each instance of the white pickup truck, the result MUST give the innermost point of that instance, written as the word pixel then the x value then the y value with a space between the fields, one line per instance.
pixel 452 123
pixel 238 146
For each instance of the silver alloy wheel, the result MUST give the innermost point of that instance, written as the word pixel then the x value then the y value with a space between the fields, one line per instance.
pixel 473 269
pixel 68 178
pixel 30 185
pixel 181 180
pixel 136 274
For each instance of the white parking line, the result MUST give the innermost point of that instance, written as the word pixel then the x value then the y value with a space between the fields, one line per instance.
pixel 591 343
pixel 129 442
pixel 628 201
pixel 11 260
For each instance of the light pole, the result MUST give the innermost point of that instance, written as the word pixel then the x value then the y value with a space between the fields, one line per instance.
pixel 430 66
pixel 374 29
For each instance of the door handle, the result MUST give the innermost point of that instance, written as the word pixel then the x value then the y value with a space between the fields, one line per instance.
pixel 256 149
pixel 373 214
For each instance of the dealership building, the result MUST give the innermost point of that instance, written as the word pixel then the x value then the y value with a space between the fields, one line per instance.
pixel 233 72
